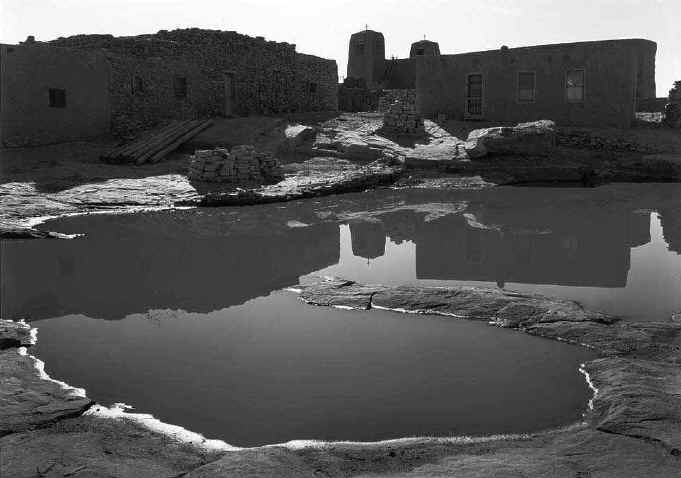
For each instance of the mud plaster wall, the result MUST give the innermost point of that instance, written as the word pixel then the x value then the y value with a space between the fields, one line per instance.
pixel 27 72
pixel 614 72
pixel 400 74
pixel 268 77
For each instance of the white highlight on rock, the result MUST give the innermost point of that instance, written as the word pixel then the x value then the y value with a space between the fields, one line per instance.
pixel 118 412
pixel 589 382
pixel 40 367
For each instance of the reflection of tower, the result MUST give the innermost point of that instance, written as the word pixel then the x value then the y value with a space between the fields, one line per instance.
pixel 671 228
pixel 638 229
pixel 368 238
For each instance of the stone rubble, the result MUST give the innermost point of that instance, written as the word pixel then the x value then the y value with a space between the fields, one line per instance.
pixel 240 165
pixel 402 118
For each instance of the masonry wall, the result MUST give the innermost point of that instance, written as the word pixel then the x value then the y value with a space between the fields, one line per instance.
pixel 27 72
pixel 267 77
pixel 614 71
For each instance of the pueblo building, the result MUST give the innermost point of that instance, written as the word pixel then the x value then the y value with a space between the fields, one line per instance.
pixel 89 85
pixel 584 83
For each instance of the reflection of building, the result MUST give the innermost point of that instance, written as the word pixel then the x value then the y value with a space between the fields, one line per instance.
pixel 368 238
pixel 130 264
pixel 578 250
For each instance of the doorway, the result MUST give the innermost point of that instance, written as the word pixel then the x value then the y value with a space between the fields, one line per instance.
pixel 474 95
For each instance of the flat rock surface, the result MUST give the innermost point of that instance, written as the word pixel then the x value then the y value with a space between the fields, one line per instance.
pixel 29 401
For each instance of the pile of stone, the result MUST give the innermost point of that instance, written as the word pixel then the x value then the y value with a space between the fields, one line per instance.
pixel 672 110
pixel 243 164
pixel 388 97
pixel 402 118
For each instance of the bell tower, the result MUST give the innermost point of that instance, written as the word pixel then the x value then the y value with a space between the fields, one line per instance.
pixel 366 57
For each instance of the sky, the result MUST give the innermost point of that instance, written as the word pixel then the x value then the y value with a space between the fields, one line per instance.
pixel 323 27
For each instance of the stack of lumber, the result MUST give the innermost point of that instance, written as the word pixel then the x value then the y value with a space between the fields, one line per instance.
pixel 154 147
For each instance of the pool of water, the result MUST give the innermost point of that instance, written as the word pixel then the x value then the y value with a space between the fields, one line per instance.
pixel 200 332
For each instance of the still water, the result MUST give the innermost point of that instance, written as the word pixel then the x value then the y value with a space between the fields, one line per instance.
pixel 183 314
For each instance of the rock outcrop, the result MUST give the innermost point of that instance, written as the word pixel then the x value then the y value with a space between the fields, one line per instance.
pixel 29 400
pixel 535 138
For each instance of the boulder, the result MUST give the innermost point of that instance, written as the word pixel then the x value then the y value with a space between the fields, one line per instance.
pixel 295 136
pixel 535 138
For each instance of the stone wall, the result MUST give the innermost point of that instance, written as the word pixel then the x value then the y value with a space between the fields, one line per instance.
pixel 242 165
pixel 388 97
pixel 401 118
pixel 194 73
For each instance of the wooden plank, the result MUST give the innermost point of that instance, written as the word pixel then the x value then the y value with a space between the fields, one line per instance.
pixel 178 142
pixel 156 141
pixel 141 158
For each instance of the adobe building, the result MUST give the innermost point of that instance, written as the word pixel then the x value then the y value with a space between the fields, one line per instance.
pixel 88 85
pixel 585 83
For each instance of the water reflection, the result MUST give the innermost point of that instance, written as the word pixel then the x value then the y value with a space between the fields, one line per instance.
pixel 576 243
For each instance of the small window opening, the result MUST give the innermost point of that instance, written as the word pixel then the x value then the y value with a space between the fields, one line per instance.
pixel 312 87
pixel 57 98
pixel 420 51
pixel 180 87
pixel 359 48
pixel 575 86
pixel 137 85
pixel 526 86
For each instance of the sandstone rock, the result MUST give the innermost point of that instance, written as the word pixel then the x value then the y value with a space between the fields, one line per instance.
pixel 297 135
pixel 475 149
pixel 537 138
pixel 15 334
pixel 28 399
pixel 257 463
pixel 638 398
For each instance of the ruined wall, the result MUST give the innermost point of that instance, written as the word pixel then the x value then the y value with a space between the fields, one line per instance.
pixel 611 72
pixel 224 73
pixel 28 72
pixel 388 97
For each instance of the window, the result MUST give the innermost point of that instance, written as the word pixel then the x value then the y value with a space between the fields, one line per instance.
pixel 313 87
pixel 180 87
pixel 574 85
pixel 359 49
pixel 57 98
pixel 137 85
pixel 420 51
pixel 526 86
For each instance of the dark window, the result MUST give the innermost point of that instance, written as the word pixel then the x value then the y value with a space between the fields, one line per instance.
pixel 420 51
pixel 359 49
pixel 137 85
pixel 180 87
pixel 526 86
pixel 313 87
pixel 57 98
pixel 574 85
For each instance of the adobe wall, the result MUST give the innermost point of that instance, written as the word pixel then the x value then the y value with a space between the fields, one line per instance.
pixel 27 72
pixel 268 77
pixel 612 70
pixel 400 74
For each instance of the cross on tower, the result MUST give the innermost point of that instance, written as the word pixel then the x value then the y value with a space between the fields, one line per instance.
pixel 366 26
